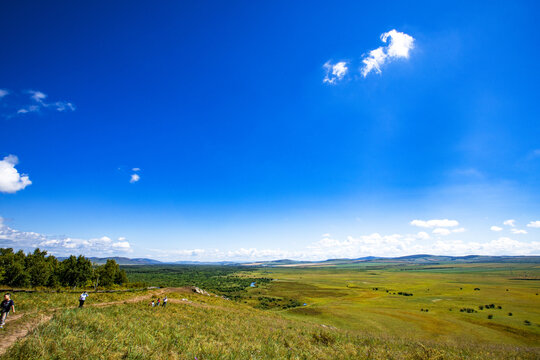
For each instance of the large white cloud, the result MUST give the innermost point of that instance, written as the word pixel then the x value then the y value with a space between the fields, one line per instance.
pixel 11 180
pixel 435 223
pixel 399 46
pixel 334 72
pixel 61 245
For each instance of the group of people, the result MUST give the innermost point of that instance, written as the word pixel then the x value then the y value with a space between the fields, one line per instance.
pixel 8 305
pixel 158 302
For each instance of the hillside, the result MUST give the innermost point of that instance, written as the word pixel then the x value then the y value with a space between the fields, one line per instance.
pixel 194 326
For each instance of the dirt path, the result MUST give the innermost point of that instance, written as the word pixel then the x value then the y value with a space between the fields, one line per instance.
pixel 18 331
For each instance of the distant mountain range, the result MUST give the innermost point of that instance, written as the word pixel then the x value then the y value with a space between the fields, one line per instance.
pixel 410 259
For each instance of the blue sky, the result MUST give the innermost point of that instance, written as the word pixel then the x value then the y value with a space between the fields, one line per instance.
pixel 272 130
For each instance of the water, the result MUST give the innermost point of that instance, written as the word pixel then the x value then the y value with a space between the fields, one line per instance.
pixel 253 284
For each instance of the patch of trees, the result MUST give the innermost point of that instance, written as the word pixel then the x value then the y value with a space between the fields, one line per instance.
pixel 223 280
pixel 38 269
pixel 267 302
pixel 467 310
pixel 489 306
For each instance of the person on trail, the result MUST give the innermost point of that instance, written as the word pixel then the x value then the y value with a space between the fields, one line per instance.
pixel 152 303
pixel 82 299
pixel 164 301
pixel 6 306
pixel 158 301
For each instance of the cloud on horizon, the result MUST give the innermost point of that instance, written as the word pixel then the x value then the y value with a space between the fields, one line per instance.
pixel 61 245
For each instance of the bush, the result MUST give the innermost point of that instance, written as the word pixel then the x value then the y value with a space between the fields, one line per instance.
pixel 490 316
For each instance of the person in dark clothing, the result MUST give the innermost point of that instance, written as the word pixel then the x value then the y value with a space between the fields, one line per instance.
pixel 6 305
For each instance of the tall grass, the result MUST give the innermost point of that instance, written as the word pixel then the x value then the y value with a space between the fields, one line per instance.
pixel 220 329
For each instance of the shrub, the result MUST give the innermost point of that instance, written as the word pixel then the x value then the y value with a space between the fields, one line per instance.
pixel 527 322
pixel 490 316
pixel 323 338
pixel 509 314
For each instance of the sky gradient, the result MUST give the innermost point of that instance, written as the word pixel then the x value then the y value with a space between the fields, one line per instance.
pixel 247 131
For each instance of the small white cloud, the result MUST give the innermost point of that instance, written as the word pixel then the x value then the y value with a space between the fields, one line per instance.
pixel 439 223
pixel 496 228
pixel 399 47
pixel 121 245
pixel 441 231
pixel 3 92
pixel 39 103
pixel 334 72
pixel 134 178
pixel 534 224
pixel 37 96
pixel 518 231
pixel 325 235
pixel 10 179
pixel 510 222
pixel 136 169
pixel 422 235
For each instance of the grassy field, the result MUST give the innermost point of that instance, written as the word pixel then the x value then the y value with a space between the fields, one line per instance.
pixel 368 299
pixel 350 313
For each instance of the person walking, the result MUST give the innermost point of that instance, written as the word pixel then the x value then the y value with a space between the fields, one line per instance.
pixel 6 305
pixel 158 301
pixel 82 299
pixel 164 301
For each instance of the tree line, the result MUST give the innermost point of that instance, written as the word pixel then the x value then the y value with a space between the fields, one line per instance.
pixel 38 269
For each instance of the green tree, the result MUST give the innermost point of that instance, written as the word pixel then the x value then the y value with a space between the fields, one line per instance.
pixel 38 268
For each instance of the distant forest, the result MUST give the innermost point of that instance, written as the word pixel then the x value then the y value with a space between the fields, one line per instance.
pixel 38 269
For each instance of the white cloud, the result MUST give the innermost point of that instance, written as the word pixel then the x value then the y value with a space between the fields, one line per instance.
pixel 134 178
pixel 62 245
pixel 10 179
pixel 517 231
pixel 439 223
pixel 496 228
pixel 38 99
pixel 534 224
pixel 445 231
pixel 334 73
pixel 510 222
pixel 136 169
pixel 442 231
pixel 399 46
pixel 3 92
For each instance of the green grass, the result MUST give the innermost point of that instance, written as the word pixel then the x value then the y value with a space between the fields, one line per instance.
pixel 351 313
pixel 220 330
pixel 346 298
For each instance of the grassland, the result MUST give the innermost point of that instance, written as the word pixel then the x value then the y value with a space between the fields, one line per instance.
pixel 367 299
pixel 350 313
